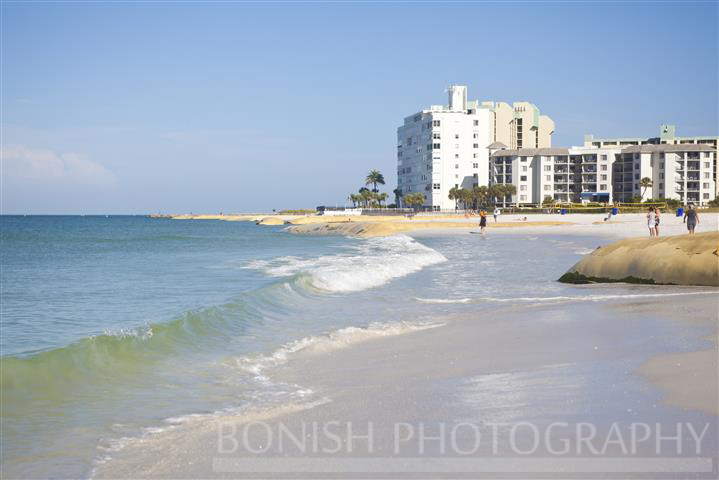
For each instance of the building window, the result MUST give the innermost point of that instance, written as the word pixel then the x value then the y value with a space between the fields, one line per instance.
pixel 435 135
pixel 706 196
pixel 523 178
pixel 435 123
pixel 456 145
pixel 436 186
pixel 522 188
pixel 548 178
pixel 476 123
pixel 456 155
pixel 603 177
pixel 707 175
pixel 476 145
pixel 475 165
pixel 707 154
pixel 456 165
pixel 547 187
pixel 436 146
pixel 636 176
pixel 661 166
pixel 707 165
pixel 604 157
pixel 523 198
pixel 547 168
pixel 475 135
pixel 603 167
pixel 706 185
pixel 474 155
pixel 661 185
pixel 661 176
pixel 524 168
pixel 603 186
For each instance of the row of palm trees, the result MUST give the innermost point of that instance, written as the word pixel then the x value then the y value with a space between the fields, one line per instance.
pixel 367 198
pixel 370 198
pixel 481 196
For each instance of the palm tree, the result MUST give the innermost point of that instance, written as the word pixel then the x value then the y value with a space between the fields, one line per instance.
pixel 548 202
pixel 508 189
pixel 353 198
pixel 373 178
pixel 480 195
pixel 494 192
pixel 645 183
pixel 366 196
pixel 466 196
pixel 382 197
pixel 397 196
pixel 454 194
pixel 414 199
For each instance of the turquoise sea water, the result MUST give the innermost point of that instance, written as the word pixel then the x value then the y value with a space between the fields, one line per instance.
pixel 113 326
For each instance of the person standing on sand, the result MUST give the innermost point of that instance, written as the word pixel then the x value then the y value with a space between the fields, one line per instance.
pixel 496 213
pixel 482 221
pixel 691 217
pixel 656 221
pixel 651 221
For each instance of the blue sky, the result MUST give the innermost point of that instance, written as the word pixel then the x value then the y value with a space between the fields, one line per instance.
pixel 178 107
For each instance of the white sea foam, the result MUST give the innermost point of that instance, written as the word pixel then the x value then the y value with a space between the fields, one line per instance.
pixel 318 344
pixel 559 299
pixel 274 398
pixel 583 251
pixel 443 300
pixel 369 264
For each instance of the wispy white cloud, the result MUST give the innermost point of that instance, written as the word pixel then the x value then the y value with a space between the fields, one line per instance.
pixel 23 163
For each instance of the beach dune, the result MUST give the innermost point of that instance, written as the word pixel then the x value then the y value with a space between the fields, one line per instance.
pixel 679 260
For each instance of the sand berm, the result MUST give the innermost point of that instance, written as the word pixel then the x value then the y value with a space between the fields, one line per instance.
pixel 678 260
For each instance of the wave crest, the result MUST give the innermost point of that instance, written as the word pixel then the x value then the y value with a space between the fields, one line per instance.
pixel 372 263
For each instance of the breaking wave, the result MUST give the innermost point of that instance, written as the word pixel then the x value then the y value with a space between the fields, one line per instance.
pixel 369 264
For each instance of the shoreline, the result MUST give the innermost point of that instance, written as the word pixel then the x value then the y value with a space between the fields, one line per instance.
pixel 457 372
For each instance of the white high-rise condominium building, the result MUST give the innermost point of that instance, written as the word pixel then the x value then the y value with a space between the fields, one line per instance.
pixel 446 146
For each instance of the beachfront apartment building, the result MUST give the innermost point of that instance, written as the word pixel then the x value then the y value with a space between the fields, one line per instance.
pixel 446 146
pixel 575 174
pixel 667 136
pixel 684 172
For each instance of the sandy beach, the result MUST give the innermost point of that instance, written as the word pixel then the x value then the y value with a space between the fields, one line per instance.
pixel 613 356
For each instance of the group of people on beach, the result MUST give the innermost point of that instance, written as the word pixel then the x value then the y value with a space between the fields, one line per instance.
pixel 691 218
pixel 653 221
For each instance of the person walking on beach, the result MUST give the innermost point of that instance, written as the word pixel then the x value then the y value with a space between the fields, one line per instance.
pixel 691 217
pixel 496 213
pixel 482 221
pixel 656 221
pixel 651 221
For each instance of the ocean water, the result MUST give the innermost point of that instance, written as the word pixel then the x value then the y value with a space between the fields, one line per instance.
pixel 116 326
